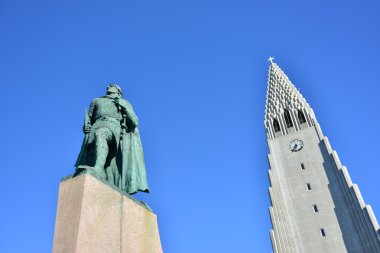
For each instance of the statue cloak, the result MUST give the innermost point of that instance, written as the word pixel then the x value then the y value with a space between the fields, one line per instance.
pixel 125 151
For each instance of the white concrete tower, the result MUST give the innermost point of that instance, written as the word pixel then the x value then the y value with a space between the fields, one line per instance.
pixel 314 205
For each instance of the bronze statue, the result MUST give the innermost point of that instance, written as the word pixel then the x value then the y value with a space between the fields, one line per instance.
pixel 112 148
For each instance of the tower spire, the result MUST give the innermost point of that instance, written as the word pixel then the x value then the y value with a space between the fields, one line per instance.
pixel 314 204
pixel 286 109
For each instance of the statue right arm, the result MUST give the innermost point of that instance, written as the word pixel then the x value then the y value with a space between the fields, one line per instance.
pixel 89 118
pixel 91 111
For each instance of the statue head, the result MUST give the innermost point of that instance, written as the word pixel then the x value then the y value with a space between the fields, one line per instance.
pixel 114 90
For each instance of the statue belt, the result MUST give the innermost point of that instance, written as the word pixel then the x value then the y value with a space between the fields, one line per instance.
pixel 106 118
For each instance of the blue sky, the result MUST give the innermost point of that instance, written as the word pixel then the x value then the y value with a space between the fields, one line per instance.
pixel 196 74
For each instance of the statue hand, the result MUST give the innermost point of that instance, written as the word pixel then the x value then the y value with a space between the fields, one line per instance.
pixel 119 103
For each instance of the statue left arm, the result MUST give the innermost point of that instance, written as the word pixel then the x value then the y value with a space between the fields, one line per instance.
pixel 128 110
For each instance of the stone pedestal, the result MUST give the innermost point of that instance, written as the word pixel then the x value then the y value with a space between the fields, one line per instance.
pixel 93 217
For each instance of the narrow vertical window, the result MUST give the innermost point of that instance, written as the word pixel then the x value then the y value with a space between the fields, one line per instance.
pixel 323 232
pixel 301 117
pixel 288 119
pixel 276 126
pixel 308 186
pixel 315 208
pixel 302 166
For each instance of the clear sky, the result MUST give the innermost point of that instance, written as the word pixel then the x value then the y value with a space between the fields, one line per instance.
pixel 195 72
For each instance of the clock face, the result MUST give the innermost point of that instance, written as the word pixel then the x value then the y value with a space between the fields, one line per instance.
pixel 296 145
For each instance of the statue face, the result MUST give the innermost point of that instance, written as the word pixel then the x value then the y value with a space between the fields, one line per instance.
pixel 113 91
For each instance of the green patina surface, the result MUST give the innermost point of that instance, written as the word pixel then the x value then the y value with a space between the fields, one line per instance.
pixel 112 149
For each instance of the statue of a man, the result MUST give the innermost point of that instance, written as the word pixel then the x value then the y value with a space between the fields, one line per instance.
pixel 112 147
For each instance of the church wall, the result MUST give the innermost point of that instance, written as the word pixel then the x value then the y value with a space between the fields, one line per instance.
pixel 357 225
pixel 305 222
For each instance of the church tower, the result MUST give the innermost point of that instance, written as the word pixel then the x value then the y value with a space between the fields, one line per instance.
pixel 314 205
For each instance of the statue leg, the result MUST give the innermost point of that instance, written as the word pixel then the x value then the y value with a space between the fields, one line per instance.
pixel 102 137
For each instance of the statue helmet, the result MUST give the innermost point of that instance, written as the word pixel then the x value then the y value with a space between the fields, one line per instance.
pixel 112 87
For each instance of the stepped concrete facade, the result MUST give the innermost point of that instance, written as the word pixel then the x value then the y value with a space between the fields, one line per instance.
pixel 315 207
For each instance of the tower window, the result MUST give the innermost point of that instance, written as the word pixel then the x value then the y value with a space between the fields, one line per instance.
pixel 315 208
pixel 308 186
pixel 323 232
pixel 276 126
pixel 301 117
pixel 302 166
pixel 288 119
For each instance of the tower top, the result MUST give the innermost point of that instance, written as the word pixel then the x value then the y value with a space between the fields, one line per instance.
pixel 285 106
